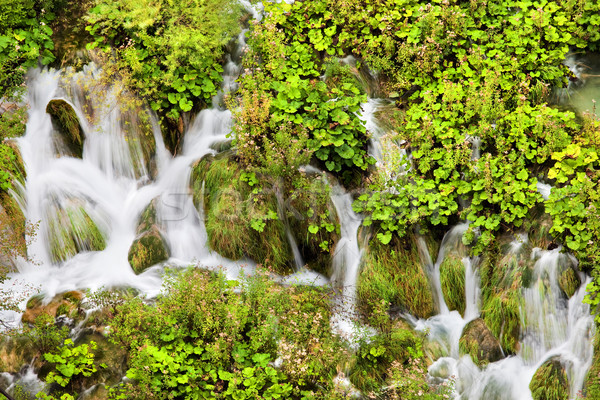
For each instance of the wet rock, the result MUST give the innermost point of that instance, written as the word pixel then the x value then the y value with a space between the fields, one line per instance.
pixel 550 381
pixel 67 124
pixel 67 303
pixel 148 218
pixel 569 282
pixel 478 341
pixel 148 249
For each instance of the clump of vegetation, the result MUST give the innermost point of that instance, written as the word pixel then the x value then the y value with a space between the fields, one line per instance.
pixel 396 276
pixel 211 339
pixel 452 278
pixel 550 382
pixel 242 217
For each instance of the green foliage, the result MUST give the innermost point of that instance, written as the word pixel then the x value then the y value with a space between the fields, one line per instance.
pixel 205 339
pixel 169 51
pixel 443 61
pixel 283 73
pixel 25 38
pixel 44 334
pixel 70 362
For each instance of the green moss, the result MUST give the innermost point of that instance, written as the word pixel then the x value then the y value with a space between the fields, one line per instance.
pixel 550 382
pixel 569 282
pixel 147 218
pixel 501 313
pixel 452 278
pixel 71 230
pixel 592 382
pixel 230 207
pixel 66 122
pixel 147 250
pixel 479 342
pixel 394 273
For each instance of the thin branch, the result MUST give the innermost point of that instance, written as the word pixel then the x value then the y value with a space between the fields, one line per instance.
pixel 3 392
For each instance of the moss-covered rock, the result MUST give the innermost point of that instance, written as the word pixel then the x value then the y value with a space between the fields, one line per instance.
pixel 479 342
pixel 394 273
pixel 67 125
pixel 147 218
pixel 550 381
pixel 569 282
pixel 239 222
pixel 503 273
pixel 592 382
pixel 19 173
pixel 147 249
pixel 67 303
pixel 70 230
pixel 452 278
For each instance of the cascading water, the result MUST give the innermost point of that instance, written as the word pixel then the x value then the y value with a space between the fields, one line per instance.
pixel 554 327
pixel 114 182
pixel 346 260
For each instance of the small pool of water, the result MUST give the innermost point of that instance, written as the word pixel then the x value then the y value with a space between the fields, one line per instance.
pixel 586 96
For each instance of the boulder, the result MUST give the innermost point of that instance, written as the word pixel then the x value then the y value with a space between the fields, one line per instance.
pixel 67 303
pixel 569 282
pixel 480 343
pixel 67 125
pixel 148 249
